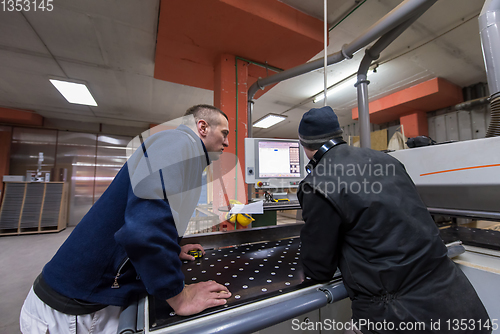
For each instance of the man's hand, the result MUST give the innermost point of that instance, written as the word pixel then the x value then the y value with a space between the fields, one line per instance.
pixel 186 248
pixel 197 297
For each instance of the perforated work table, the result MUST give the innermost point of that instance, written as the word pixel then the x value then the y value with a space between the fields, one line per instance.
pixel 264 273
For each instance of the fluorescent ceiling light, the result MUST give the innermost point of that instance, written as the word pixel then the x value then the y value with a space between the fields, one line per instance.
pixel 269 121
pixel 74 92
pixel 335 87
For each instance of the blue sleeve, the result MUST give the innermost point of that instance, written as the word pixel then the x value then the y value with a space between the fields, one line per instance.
pixel 149 237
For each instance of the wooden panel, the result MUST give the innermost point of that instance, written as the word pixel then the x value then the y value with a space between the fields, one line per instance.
pixel 52 205
pixel 11 206
pixel 33 207
pixel 378 140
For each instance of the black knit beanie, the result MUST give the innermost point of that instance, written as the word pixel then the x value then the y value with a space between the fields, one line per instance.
pixel 318 126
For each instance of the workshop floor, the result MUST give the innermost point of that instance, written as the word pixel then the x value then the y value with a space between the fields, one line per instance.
pixel 21 260
pixel 23 257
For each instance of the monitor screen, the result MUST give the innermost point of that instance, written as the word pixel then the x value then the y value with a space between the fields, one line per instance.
pixel 279 159
pixel 274 163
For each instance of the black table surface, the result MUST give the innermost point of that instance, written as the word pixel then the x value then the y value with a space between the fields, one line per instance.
pixel 262 270
pixel 250 272
pixel 471 236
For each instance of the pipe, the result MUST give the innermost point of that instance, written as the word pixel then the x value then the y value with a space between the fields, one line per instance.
pixel 127 322
pixel 490 215
pixel 249 135
pixel 392 19
pixel 470 104
pixel 494 127
pixel 325 50
pixel 489 30
pixel 372 54
pixel 273 314
pixel 364 113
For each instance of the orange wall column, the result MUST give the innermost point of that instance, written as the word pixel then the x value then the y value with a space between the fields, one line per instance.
pixel 415 124
pixel 5 140
pixel 230 95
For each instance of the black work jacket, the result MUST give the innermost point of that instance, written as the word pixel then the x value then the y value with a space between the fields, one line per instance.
pixel 363 214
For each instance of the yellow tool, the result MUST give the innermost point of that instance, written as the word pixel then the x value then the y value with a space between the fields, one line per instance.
pixel 196 253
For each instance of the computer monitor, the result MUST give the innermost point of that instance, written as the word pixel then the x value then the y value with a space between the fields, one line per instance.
pixel 274 163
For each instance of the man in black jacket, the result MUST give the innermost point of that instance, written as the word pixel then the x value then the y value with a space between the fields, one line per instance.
pixel 363 214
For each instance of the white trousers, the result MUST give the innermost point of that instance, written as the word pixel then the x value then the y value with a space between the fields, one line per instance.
pixel 39 318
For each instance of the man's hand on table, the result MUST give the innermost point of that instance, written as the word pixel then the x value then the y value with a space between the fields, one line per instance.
pixel 197 297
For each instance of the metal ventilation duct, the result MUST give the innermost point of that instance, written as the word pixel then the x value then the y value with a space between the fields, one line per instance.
pixel 489 29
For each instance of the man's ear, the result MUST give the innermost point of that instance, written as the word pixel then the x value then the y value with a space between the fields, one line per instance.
pixel 202 127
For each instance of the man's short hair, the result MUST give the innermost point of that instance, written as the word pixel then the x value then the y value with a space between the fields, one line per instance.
pixel 205 112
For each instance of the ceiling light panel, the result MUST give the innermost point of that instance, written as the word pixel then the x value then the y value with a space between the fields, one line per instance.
pixel 269 121
pixel 74 92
